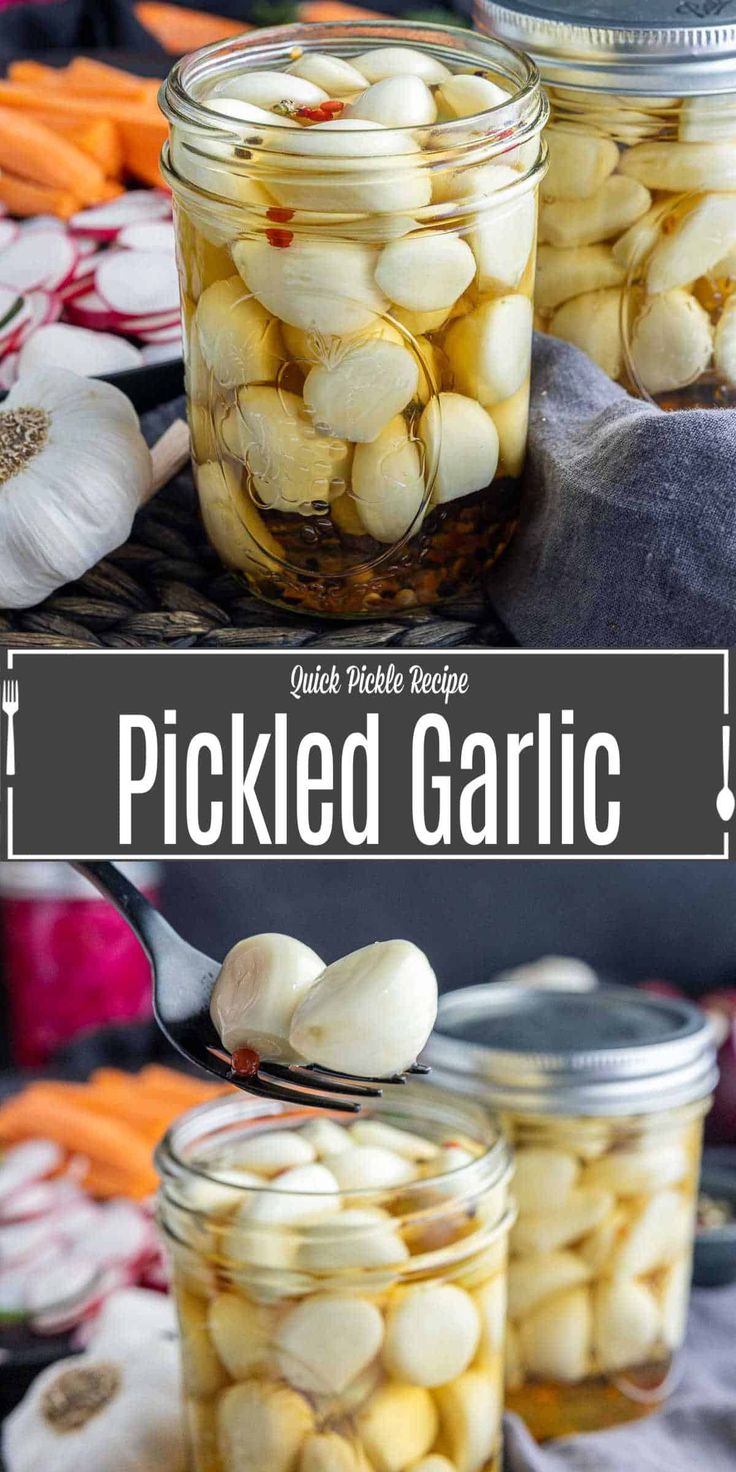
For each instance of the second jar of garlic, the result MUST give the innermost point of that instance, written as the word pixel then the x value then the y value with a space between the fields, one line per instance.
pixel 341 1290
pixel 637 262
pixel 356 214
pixel 603 1096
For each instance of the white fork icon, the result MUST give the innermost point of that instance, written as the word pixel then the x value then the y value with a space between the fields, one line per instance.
pixel 10 706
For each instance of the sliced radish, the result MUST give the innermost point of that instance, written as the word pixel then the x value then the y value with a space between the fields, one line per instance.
pixel 104 221
pixel 38 259
pixel 162 337
pixel 28 1162
pixel 155 322
pixel 8 233
pixel 38 1198
pixel 122 1235
pixel 13 308
pixel 20 1242
pixel 137 284
pixel 44 222
pixel 160 352
pixel 8 371
pixel 70 1282
pixel 90 311
pixel 88 353
pixel 156 235
pixel 41 308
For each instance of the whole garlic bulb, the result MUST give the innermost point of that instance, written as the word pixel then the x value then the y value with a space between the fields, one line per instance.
pixel 257 991
pixel 90 1414
pixel 74 468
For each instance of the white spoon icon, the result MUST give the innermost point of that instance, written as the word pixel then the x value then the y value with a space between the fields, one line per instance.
pixel 725 801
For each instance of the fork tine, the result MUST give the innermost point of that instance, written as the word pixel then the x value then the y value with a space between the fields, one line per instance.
pixel 268 1090
pixel 302 1076
pixel 365 1078
pixel 420 1068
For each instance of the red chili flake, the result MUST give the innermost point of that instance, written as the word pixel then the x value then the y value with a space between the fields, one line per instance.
pixel 313 114
pixel 245 1062
pixel 280 216
pixel 280 238
pixel 333 104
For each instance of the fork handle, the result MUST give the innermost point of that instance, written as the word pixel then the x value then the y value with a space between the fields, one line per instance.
pixel 10 749
pixel 146 922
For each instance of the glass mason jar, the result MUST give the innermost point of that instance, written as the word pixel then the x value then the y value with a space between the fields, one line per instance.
pixel 337 1332
pixel 357 311
pixel 603 1096
pixel 637 260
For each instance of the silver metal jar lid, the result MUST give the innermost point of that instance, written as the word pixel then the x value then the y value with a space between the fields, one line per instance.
pixel 655 47
pixel 612 1051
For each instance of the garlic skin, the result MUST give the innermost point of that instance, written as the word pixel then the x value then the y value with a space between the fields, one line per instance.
pixel 261 982
pixel 72 500
pixel 369 1014
pixel 129 1411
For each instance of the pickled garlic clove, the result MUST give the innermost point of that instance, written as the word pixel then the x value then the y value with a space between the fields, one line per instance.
pixel 241 1332
pixel 635 245
pixel 470 1418
pixel 707 119
pixel 432 1334
pixel 564 274
pixel 625 1325
pixel 593 323
pixel 659 1231
pixel 262 1427
pixel 543 1175
pixel 511 418
pixel 679 168
pixel 613 208
pixel 396 102
pixel 268 89
pixel 725 343
pixel 273 1151
pixel 240 342
pixel 579 163
pixel 464 95
pixel 402 1142
pixel 672 342
pixel 291 467
pixel 261 981
pixel 359 1237
pixel 388 484
pixel 417 323
pixel 435 369
pixel 634 1172
pixel 425 273
pixel 203 1374
pixel 233 524
pixel 490 349
pixel 502 242
pixel 326 1342
pixel 461 444
pixel 246 112
pixel 294 285
pixel 433 1463
pixel 548 1230
pixel 393 61
pixel 326 1137
pixel 699 240
pixel 352 165
pixel 329 1452
pixel 333 74
pixel 370 1168
pixel 556 1338
pixel 674 1296
pixel 532 1280
pixel 372 1011
pixel 366 388
pixel 597 1248
pixel 297 1195
pixel 490 1301
pixel 213 1198
pixel 397 1426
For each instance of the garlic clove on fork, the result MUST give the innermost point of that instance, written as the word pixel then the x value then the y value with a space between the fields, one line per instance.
pixel 262 980
pixel 74 469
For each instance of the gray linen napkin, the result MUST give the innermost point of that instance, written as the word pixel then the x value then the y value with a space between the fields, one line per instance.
pixel 695 1433
pixel 628 525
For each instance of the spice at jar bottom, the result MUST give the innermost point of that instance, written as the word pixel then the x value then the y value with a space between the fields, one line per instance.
pixel 341 1292
pixel 357 258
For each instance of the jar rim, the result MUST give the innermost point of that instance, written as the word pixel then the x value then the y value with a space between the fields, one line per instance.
pixel 345 38
pixel 662 1057
pixel 633 53
pixel 231 1114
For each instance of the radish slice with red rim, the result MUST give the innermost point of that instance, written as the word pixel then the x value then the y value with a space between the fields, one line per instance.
pixel 8 371
pixel 41 309
pixel 160 352
pixel 8 233
pixel 38 259
pixel 136 284
pixel 60 345
pixel 28 1162
pixel 90 311
pixel 151 235
pixel 105 220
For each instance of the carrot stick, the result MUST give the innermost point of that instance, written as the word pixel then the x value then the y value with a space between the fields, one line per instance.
pixel 23 198
pixel 101 141
pixel 335 10
pixel 185 30
pixel 24 97
pixel 105 1141
pixel 34 152
pixel 98 79
pixel 142 142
